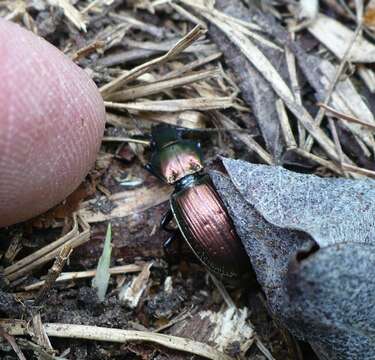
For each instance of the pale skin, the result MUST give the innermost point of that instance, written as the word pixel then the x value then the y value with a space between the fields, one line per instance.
pixel 51 123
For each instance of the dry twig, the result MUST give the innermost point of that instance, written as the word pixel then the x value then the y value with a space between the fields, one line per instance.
pixel 97 333
pixel 79 234
pixel 161 85
pixel 202 104
pixel 319 117
pixel 53 273
pixel 71 276
pixel 11 340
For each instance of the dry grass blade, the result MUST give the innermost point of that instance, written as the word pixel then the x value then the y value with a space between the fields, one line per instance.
pixel 202 104
pixel 39 352
pixel 91 6
pixel 223 291
pixel 292 71
pixel 125 17
pixel 337 37
pixel 125 139
pixel 13 344
pixel 245 138
pixel 39 333
pixel 198 46
pixel 358 170
pixel 190 66
pixel 286 129
pixel 187 14
pixel 76 237
pixel 264 350
pixel 346 99
pixel 189 119
pixel 331 88
pixel 17 10
pixel 244 27
pixel 262 64
pixel 186 41
pixel 319 160
pixel 336 139
pixel 368 77
pixel 349 118
pixel 70 276
pixel 119 336
pixel 206 6
pixel 159 86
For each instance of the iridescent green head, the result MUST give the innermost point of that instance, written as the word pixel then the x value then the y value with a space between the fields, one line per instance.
pixel 173 157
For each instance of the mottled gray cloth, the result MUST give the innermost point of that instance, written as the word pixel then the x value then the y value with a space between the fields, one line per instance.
pixel 311 243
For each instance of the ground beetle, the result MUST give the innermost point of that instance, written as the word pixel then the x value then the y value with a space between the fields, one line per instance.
pixel 195 205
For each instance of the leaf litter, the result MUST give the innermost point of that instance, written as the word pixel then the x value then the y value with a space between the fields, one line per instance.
pixel 279 84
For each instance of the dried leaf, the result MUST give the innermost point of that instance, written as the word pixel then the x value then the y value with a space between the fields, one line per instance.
pixel 255 90
pixel 336 37
pixel 345 98
pixel 311 243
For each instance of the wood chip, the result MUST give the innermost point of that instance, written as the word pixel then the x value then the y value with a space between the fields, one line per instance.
pixel 127 203
pixel 130 294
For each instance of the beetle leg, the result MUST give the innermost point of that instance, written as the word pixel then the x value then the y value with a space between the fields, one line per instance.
pixel 170 255
pixel 167 243
pixel 165 221
pixel 150 169
pixel 170 251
